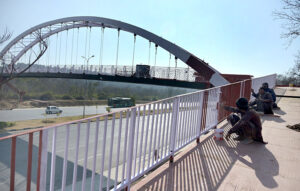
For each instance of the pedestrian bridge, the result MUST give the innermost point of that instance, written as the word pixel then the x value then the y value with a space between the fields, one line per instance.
pixel 112 151
pixel 109 151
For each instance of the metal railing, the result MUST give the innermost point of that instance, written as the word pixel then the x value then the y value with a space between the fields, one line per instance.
pixel 179 73
pixel 110 151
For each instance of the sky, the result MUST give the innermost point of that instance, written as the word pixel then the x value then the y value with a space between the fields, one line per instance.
pixel 233 36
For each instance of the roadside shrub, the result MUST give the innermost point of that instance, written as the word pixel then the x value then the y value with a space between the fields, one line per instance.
pixel 46 96
pixel 4 124
pixel 66 97
pixel 79 98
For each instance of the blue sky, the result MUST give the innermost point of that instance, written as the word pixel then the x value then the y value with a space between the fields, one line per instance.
pixel 232 36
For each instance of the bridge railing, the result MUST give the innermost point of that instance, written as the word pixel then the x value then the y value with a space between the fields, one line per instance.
pixel 178 73
pixel 112 150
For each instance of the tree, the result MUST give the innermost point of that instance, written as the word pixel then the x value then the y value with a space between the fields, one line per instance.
pixel 5 36
pixel 290 15
pixel 10 69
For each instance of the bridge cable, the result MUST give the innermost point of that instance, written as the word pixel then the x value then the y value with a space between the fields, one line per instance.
pixel 116 70
pixel 66 48
pixel 169 66
pixel 76 56
pixel 89 46
pixel 56 44
pixel 134 41
pixel 60 36
pixel 48 55
pixel 154 69
pixel 86 37
pixel 101 49
pixel 72 47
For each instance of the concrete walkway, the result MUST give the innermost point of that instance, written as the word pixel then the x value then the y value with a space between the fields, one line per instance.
pixel 230 165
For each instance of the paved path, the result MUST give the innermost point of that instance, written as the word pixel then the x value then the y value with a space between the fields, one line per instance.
pixel 229 165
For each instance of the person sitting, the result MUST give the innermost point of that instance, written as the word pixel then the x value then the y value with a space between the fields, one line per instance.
pixel 265 86
pixel 248 126
pixel 263 102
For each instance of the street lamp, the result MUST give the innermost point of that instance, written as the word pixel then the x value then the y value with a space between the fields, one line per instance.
pixel 87 60
pixel 87 64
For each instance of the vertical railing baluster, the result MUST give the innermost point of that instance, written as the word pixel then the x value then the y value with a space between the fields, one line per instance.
pixel 53 158
pixel 29 161
pixel 64 175
pixel 125 146
pixel 95 154
pixel 174 127
pixel 38 178
pixel 76 158
pixel 130 147
pixel 168 137
pixel 199 116
pixel 164 130
pixel 136 141
pixel 103 153
pixel 155 134
pixel 111 150
pixel 12 163
pixel 44 160
pixel 185 126
pixel 159 132
pixel 147 130
pixel 118 148
pixel 142 137
pixel 86 151
pixel 151 134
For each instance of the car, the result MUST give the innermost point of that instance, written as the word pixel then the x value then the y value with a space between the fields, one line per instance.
pixel 53 110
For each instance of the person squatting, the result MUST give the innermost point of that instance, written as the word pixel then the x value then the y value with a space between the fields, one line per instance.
pixel 248 126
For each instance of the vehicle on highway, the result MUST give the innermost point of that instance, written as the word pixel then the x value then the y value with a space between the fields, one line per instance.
pixel 118 102
pixel 53 110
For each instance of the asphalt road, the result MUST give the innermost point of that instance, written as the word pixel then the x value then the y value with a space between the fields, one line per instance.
pixel 38 113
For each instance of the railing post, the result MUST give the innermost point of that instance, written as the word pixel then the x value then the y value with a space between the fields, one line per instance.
pixel 199 117
pixel 174 127
pixel 130 146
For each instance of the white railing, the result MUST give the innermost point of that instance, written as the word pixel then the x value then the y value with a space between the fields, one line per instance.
pixel 110 151
pixel 257 82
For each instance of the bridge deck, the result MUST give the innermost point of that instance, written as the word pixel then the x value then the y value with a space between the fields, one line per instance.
pixel 228 165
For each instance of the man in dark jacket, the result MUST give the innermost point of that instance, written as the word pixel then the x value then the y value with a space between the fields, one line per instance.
pixel 249 126
pixel 263 102
pixel 265 86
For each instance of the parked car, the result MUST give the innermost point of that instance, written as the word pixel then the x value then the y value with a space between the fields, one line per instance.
pixel 53 110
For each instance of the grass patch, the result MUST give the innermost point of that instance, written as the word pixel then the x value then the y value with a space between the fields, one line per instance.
pixel 4 124
pixel 48 121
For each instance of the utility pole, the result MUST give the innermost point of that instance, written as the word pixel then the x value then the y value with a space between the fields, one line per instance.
pixel 87 65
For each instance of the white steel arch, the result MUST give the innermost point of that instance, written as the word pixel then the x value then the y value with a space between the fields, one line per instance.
pixel 52 27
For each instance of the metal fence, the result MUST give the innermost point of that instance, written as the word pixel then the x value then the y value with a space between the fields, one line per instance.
pixel 110 151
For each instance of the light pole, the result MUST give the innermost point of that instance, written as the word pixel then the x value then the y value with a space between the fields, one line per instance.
pixel 87 65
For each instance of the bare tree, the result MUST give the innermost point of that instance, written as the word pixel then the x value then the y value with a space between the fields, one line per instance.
pixel 5 36
pixel 10 71
pixel 290 15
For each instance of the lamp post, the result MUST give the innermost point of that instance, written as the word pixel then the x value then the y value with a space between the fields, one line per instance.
pixel 87 65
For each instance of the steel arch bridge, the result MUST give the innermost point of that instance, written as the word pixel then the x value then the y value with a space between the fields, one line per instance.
pixel 30 38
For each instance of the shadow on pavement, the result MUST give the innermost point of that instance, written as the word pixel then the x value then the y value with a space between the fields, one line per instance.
pixel 206 165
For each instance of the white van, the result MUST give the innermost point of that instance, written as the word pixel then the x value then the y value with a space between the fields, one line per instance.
pixel 53 110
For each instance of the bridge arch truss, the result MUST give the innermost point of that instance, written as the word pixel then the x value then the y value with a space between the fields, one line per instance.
pixel 28 39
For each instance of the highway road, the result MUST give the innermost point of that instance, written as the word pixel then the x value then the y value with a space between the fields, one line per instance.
pixel 38 113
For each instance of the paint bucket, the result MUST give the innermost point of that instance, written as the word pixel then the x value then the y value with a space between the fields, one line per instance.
pixel 218 135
